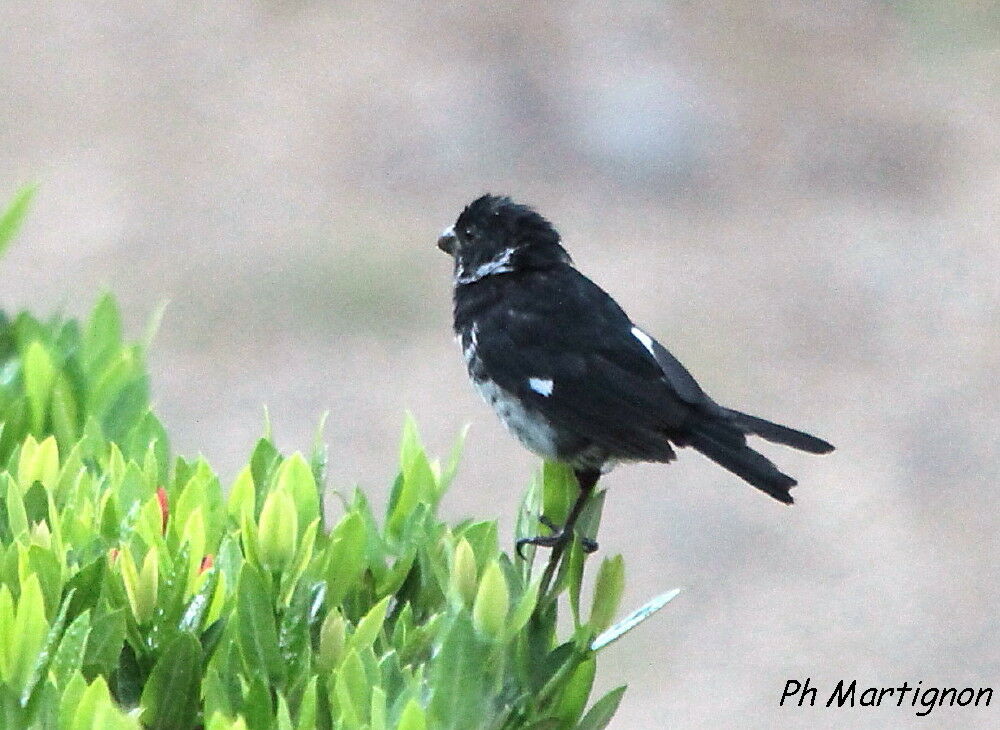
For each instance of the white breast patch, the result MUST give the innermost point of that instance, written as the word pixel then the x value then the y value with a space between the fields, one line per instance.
pixel 530 427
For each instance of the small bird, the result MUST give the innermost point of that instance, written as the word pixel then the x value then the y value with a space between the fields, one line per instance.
pixel 571 375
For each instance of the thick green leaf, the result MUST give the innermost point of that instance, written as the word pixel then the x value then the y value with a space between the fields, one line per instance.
pixel 17 516
pixel 608 589
pixel 258 707
pixel 86 586
pixel 574 696
pixel 369 626
pixel 46 652
pixel 170 700
pixel 415 485
pixel 598 717
pixel 258 633
pixel 283 721
pixel 482 538
pixel 346 557
pixel 216 696
pixel 307 707
pixel 104 644
pixel 65 411
pixel 524 607
pixel 98 710
pixel 103 335
pixel 69 706
pixel 30 628
pixel 39 376
pixel 45 566
pixel 378 710
pixel 149 433
pixel 294 638
pixel 263 462
pixel 69 656
pixel 127 406
pixel 353 690
pixel 459 678
pixel 413 717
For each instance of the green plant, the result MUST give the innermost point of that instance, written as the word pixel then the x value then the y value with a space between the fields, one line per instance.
pixel 136 592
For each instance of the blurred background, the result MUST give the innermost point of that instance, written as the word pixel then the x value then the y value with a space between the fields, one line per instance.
pixel 800 199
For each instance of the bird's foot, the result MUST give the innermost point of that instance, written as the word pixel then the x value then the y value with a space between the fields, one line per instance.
pixel 559 537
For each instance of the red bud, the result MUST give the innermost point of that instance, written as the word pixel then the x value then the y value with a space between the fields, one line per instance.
pixel 161 496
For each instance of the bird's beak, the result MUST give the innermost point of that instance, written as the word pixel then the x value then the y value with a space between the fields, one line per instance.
pixel 446 241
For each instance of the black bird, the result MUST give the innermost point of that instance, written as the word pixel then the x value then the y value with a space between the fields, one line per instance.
pixel 570 375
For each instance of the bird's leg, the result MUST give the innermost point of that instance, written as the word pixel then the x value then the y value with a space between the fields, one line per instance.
pixel 587 479
pixel 589 546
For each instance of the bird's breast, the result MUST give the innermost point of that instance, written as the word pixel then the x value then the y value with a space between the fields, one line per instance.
pixel 526 424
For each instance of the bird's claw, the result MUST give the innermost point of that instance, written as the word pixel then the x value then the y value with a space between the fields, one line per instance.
pixel 558 537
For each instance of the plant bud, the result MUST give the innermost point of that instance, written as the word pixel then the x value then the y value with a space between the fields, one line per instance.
pixel 332 638
pixel 148 589
pixel 161 497
pixel 140 588
pixel 39 462
pixel 489 614
pixel 462 580
pixel 278 529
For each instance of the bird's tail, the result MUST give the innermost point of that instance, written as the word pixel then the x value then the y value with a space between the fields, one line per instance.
pixel 779 434
pixel 723 440
pixel 744 462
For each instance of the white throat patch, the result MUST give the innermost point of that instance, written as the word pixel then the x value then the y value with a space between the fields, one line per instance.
pixel 499 265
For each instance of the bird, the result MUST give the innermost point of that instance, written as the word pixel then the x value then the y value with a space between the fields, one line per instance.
pixel 569 373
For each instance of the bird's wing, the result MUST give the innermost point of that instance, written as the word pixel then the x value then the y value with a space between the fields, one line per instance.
pixel 676 375
pixel 643 351
pixel 607 383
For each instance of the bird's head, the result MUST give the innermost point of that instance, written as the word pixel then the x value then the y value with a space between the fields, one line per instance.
pixel 494 235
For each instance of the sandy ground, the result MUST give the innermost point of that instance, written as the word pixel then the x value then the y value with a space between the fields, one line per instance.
pixel 799 199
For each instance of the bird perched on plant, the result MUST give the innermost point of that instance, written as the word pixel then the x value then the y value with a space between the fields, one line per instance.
pixel 570 374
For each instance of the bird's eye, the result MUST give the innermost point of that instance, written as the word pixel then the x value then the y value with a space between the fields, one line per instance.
pixel 470 234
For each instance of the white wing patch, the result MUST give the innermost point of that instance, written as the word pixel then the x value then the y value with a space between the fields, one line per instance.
pixel 645 339
pixel 542 386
